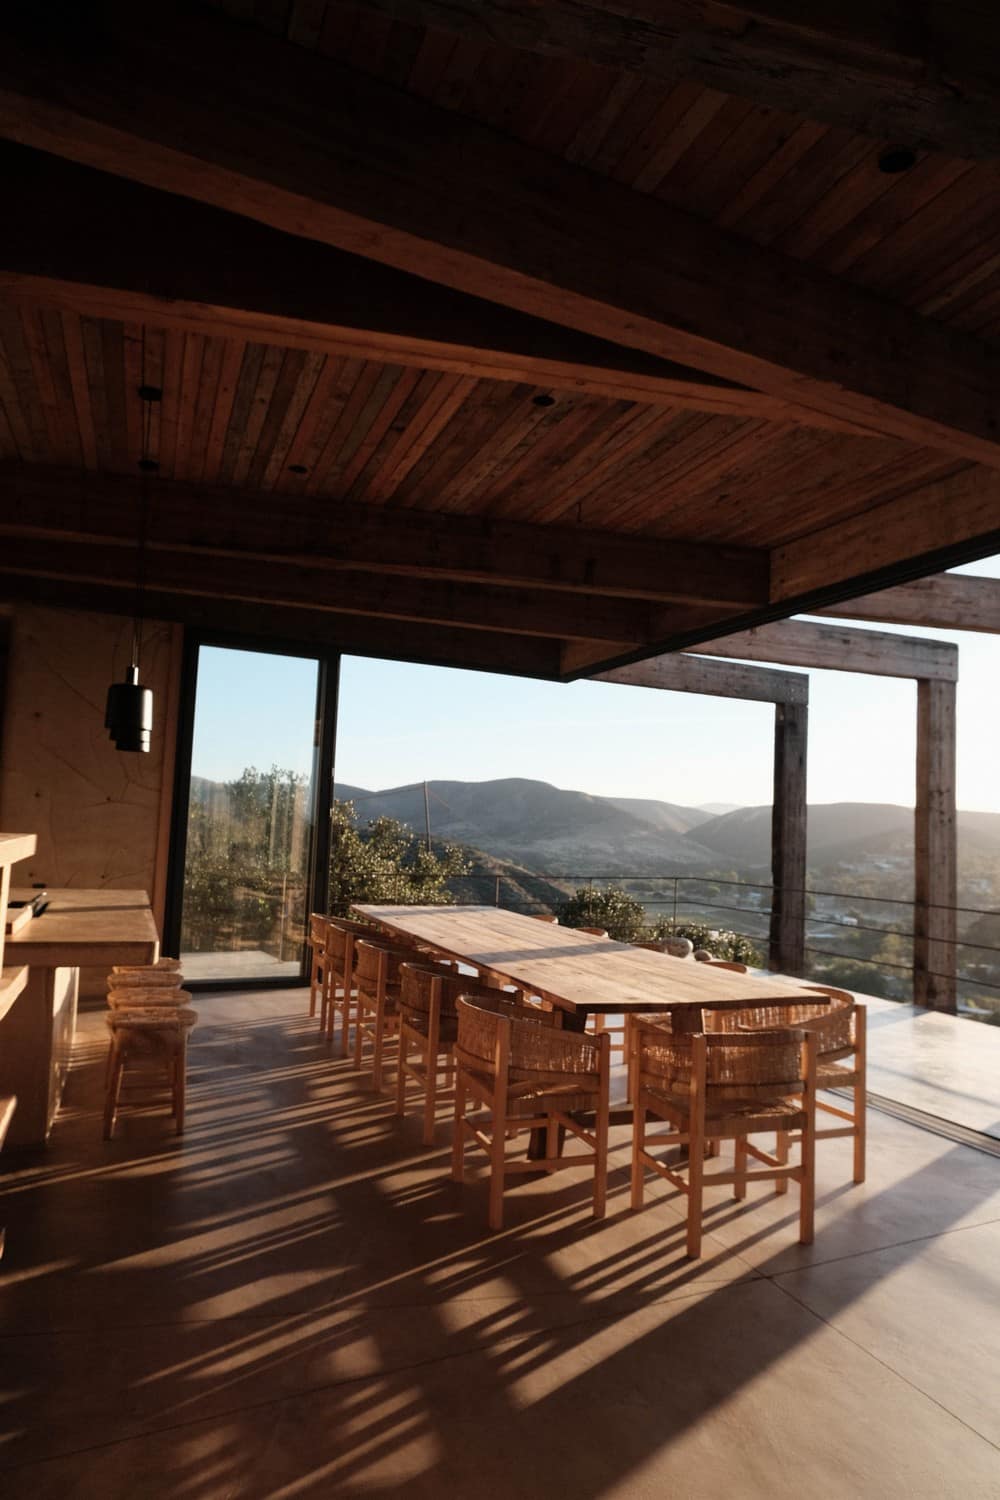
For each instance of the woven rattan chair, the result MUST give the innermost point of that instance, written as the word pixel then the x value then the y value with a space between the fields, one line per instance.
pixel 839 1024
pixel 149 1019
pixel 339 994
pixel 517 1061
pixel 724 1087
pixel 377 982
pixel 317 968
pixel 676 947
pixel 428 1026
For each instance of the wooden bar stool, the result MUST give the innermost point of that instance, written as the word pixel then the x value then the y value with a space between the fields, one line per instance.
pixel 317 970
pixel 150 1020
pixel 156 1040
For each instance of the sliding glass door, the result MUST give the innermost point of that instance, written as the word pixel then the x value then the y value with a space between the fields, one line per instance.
pixel 249 845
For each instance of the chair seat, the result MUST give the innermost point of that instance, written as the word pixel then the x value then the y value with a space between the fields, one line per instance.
pixel 418 1020
pixel 772 1114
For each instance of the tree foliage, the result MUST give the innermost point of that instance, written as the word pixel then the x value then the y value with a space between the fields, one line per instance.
pixel 621 915
pixel 386 861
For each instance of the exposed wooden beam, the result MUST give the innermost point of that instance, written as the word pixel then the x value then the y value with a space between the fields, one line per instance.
pixel 935 849
pixel 926 529
pixel 248 281
pixel 789 820
pixel 474 606
pixel 801 643
pixel 719 679
pixel 50 503
pixel 436 645
pixel 948 601
pixel 925 77
pixel 204 108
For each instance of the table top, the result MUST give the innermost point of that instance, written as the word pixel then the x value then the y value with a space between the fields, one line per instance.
pixel 580 973
pixel 80 927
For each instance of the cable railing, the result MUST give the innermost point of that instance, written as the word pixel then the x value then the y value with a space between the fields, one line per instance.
pixel 697 900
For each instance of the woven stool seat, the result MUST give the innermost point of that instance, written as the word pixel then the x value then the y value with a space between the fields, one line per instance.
pixel 149 1019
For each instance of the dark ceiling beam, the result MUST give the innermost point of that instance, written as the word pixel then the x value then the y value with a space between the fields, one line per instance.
pixel 248 281
pixel 54 504
pixel 949 601
pixel 204 108
pixel 383 596
pixel 922 76
pixel 434 645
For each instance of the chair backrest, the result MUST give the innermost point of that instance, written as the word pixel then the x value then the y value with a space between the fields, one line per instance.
pixel 317 929
pixel 543 916
pixel 595 931
pixel 493 1025
pixel 724 963
pixel 377 963
pixel 832 1020
pixel 676 947
pixel 738 1063
pixel 418 983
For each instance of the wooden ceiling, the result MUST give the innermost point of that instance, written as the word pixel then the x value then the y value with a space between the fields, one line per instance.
pixel 511 346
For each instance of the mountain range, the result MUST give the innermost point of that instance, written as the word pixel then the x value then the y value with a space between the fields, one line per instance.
pixel 551 829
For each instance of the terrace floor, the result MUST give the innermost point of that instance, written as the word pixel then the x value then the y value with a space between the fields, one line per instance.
pixel 294 1300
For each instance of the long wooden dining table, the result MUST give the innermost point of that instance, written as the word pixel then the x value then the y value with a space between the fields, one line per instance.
pixel 579 972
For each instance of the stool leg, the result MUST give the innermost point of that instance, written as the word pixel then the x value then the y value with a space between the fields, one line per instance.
pixel 180 1084
pixel 113 1088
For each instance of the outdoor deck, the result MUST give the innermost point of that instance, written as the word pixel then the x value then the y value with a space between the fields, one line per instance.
pixel 296 1301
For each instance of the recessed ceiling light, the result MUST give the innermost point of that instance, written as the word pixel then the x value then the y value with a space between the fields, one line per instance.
pixel 543 400
pixel 297 469
pixel 897 159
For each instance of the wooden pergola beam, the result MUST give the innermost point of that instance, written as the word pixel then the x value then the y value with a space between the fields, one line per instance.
pixel 47 504
pixel 718 679
pixel 249 281
pixel 948 601
pixel 789 692
pixel 928 79
pixel 204 108
pixel 839 648
pixel 934 666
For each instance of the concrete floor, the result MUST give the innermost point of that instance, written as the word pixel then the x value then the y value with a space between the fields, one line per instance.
pixel 294 1300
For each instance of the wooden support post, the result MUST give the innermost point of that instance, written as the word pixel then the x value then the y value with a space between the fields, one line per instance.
pixel 788 839
pixel 935 894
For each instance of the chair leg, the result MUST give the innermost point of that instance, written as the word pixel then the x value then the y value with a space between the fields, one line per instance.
pixel 430 1097
pixel 497 1159
pixel 781 1154
pixel 458 1139
pixel 359 1031
pixel 638 1146
pixel 551 1139
pixel 404 1050
pixel 313 980
pixel 696 1172
pixel 602 1126
pixel 860 1092
pixel 807 1147
pixel 377 1040
pixel 740 1184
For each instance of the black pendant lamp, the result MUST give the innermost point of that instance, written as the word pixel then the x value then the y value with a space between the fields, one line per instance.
pixel 128 716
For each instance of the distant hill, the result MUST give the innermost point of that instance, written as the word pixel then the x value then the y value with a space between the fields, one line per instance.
pixel 841 832
pixel 547 828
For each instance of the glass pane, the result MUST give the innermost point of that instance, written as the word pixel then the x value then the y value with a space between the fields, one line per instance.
pixel 251 816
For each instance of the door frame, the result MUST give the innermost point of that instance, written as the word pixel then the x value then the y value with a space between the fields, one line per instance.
pixel 324 747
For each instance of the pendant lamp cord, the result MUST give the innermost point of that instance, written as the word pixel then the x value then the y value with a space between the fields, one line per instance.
pixel 140 579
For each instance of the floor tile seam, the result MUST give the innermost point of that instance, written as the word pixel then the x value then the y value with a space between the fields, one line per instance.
pixel 917 1239
pixel 890 1369
pixel 301 1393
pixel 637 1304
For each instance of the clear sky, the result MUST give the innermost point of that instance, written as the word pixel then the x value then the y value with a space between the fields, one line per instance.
pixel 399 724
